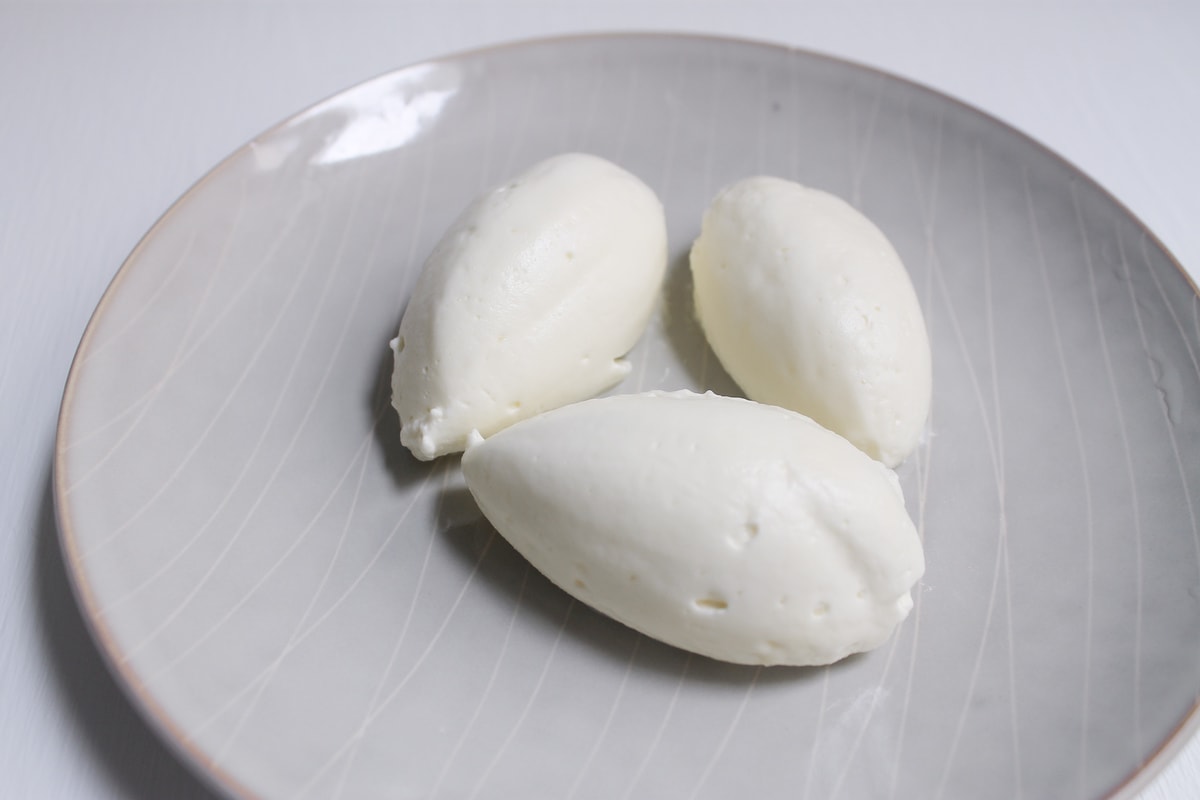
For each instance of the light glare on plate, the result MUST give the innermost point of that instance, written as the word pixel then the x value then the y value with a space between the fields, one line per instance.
pixel 387 113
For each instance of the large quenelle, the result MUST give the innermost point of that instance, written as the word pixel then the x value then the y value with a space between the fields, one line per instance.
pixel 808 306
pixel 736 530
pixel 528 302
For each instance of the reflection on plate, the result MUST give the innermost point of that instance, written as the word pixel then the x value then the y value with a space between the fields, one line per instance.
pixel 306 611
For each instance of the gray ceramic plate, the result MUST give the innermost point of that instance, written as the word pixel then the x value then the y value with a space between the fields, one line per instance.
pixel 305 611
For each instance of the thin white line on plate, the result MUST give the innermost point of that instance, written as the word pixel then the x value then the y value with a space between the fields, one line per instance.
pixel 818 730
pixel 489 136
pixel 612 712
pixel 151 301
pixel 627 119
pixel 733 723
pixel 708 181
pixel 593 106
pixel 927 210
pixel 975 668
pixel 878 692
pixel 924 461
pixel 861 154
pixel 1129 473
pixel 512 733
pixel 487 689
pixel 924 457
pixel 906 702
pixel 764 106
pixel 714 98
pixel 997 411
pixel 794 100
pixel 648 341
pixel 662 729
pixel 518 135
pixel 564 117
pixel 1086 474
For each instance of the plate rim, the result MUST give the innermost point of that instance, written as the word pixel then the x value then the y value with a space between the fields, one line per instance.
pixel 148 707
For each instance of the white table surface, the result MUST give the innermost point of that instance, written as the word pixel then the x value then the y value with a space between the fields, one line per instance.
pixel 110 110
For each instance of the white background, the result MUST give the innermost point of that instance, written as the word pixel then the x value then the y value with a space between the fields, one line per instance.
pixel 110 110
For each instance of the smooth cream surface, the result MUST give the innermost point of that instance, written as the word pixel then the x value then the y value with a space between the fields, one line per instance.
pixel 740 531
pixel 808 306
pixel 528 302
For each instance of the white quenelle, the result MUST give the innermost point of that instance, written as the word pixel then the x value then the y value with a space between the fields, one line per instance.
pixel 808 306
pixel 528 302
pixel 737 530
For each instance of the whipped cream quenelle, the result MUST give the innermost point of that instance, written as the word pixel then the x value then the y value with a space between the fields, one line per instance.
pixel 528 302
pixel 733 529
pixel 808 306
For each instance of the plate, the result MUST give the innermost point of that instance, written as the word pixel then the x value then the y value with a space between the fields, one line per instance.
pixel 303 610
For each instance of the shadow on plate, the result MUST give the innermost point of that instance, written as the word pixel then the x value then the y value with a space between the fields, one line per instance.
pixel 402 465
pixel 139 764
pixel 686 337
pixel 501 571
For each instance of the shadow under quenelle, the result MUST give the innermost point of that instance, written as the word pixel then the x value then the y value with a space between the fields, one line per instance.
pixel 686 337
pixel 544 604
pixel 404 468
pixel 138 763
